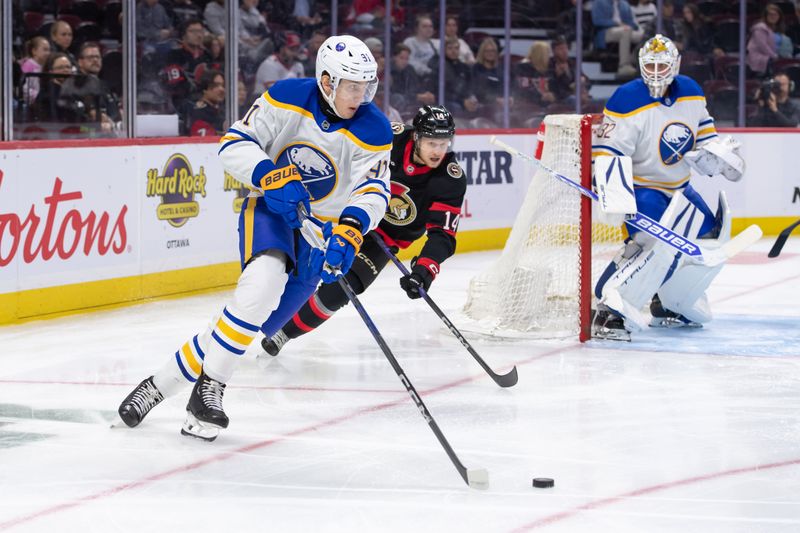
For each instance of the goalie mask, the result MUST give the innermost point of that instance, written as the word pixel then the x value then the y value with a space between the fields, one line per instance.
pixel 344 57
pixel 659 63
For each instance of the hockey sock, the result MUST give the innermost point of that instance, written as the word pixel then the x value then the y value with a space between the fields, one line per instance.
pixel 322 305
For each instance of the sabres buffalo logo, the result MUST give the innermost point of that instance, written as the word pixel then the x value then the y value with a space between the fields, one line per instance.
pixel 317 169
pixel 676 139
pixel 402 210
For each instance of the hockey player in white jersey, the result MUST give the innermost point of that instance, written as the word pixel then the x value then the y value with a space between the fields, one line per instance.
pixel 317 142
pixel 658 128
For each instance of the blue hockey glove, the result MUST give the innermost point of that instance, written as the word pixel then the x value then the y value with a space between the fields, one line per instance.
pixel 283 190
pixel 343 244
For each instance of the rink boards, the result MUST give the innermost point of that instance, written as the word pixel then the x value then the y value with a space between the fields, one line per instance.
pixel 96 223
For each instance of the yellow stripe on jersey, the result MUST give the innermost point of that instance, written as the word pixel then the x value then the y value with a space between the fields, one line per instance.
pixel 706 131
pixel 190 359
pixel 648 106
pixel 347 133
pixel 249 217
pixel 602 152
pixel 232 334
pixel 660 184
pixel 230 137
pixel 372 189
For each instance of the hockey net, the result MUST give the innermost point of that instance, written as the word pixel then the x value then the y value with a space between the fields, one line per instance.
pixel 541 285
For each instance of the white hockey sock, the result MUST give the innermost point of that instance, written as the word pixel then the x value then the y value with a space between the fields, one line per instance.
pixel 257 294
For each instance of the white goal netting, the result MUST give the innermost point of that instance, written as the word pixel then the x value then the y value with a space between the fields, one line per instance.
pixel 533 290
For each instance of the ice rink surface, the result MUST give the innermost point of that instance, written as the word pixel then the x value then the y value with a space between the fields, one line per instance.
pixel 679 431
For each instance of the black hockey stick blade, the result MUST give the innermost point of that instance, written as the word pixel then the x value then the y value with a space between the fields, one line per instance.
pixel 781 240
pixel 504 380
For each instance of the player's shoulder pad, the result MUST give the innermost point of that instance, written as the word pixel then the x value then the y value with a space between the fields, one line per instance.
pixel 629 99
pixel 292 92
pixel 370 128
pixel 452 175
pixel 686 87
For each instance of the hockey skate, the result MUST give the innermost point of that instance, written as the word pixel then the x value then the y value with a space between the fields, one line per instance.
pixel 204 413
pixel 607 325
pixel 664 318
pixel 139 402
pixel 274 344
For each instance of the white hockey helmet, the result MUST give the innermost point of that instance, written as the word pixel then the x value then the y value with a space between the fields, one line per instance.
pixel 659 63
pixel 344 57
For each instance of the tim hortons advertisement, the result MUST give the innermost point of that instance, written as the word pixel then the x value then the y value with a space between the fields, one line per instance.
pixel 496 181
pixel 64 221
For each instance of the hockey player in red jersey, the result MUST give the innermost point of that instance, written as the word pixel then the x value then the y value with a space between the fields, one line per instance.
pixel 428 187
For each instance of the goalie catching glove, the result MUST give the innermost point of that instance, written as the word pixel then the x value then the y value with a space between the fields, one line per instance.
pixel 343 243
pixel 283 191
pixel 718 156
pixel 423 272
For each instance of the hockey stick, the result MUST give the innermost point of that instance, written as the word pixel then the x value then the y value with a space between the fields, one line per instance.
pixel 504 380
pixel 475 478
pixel 781 240
pixel 639 221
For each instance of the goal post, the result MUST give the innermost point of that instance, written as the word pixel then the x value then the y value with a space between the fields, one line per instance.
pixel 541 284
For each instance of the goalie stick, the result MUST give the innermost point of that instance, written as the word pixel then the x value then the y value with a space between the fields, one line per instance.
pixel 710 258
pixel 475 478
pixel 775 251
pixel 504 380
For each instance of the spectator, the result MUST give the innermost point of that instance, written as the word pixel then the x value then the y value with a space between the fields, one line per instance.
pixel 408 92
pixel 153 24
pixel 243 97
pixel 215 46
pixel 37 51
pixel 214 17
pixel 562 74
pixel 255 43
pixel 767 41
pixel 308 53
pixel 645 13
pixel 183 10
pixel 613 22
pixel 367 14
pixel 451 30
pixel 774 106
pixel 487 74
pixel 459 97
pixel 282 64
pixel 532 76
pixel 376 47
pixel 669 26
pixel 421 46
pixel 303 17
pixel 191 52
pixel 49 107
pixel 695 31
pixel 61 39
pixel 207 117
pixel 96 98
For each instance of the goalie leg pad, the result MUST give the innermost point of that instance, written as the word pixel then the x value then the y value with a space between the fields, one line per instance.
pixel 639 274
pixel 684 291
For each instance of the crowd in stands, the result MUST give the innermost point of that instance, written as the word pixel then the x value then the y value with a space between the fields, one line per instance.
pixel 68 62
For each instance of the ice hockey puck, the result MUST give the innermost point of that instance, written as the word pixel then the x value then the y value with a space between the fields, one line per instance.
pixel 543 482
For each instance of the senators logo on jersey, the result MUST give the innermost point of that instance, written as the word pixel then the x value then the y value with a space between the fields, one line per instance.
pixel 402 210
pixel 317 169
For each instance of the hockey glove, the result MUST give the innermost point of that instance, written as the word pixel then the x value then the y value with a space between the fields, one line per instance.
pixel 423 272
pixel 283 190
pixel 344 242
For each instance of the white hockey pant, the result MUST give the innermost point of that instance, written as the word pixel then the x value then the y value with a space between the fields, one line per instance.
pixel 218 349
pixel 644 263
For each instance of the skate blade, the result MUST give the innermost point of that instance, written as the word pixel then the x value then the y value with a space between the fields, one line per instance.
pixel 193 427
pixel 673 323
pixel 612 335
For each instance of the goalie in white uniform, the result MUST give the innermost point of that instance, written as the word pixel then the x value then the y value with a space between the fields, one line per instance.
pixel 654 129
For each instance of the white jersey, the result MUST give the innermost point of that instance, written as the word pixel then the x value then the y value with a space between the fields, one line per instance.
pixel 655 133
pixel 343 164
